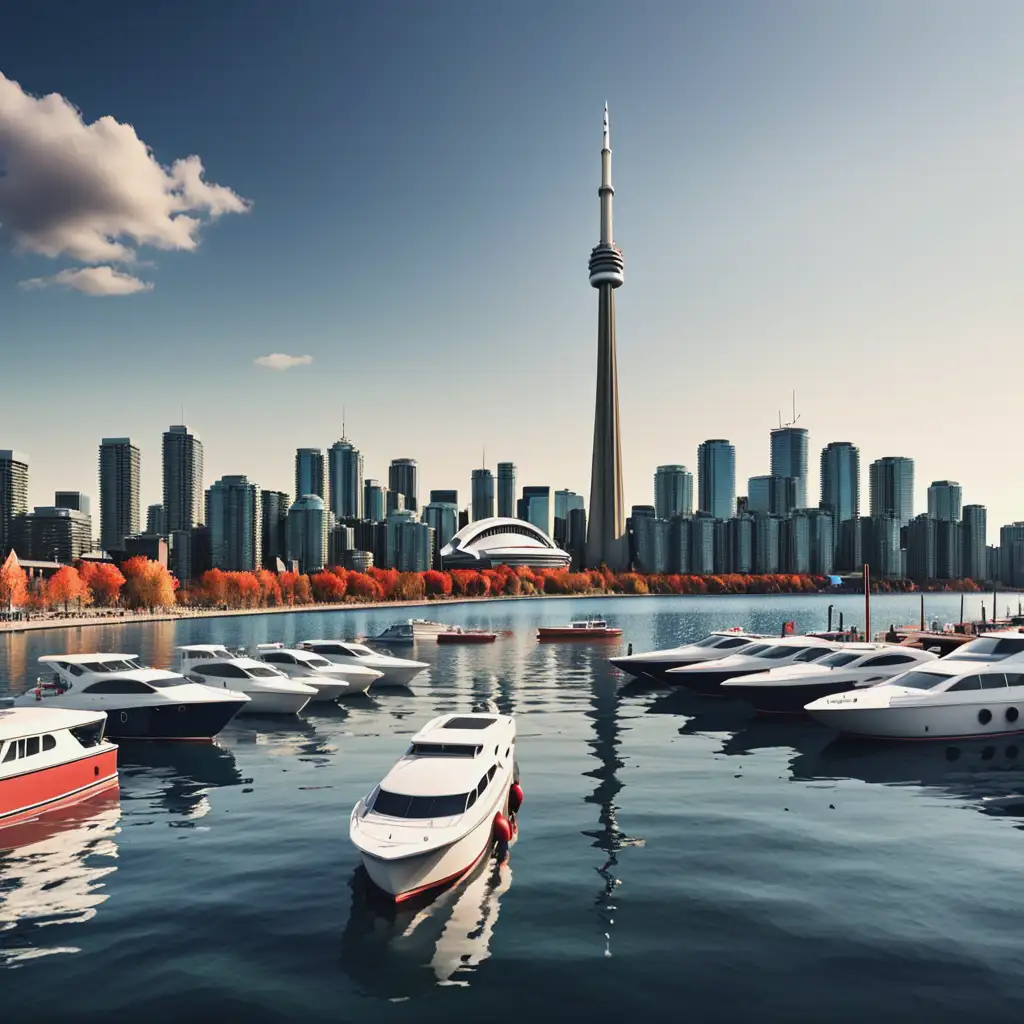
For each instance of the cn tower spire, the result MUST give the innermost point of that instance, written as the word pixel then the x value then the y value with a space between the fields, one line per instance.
pixel 606 525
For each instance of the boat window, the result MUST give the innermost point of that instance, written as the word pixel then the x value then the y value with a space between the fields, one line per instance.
pixel 21 748
pixel 75 670
pixel 811 654
pixel 117 665
pixel 1015 678
pixel 174 680
pixel 471 800
pixel 357 649
pixel 279 659
pixel 224 671
pixel 840 659
pixel 12 751
pixel 757 650
pixel 993 681
pixel 468 723
pixel 398 805
pixel 88 735
pixel 708 641
pixel 888 659
pixel 779 652
pixel 444 749
pixel 31 746
pixel 482 785
pixel 919 680
pixel 262 672
pixel 491 771
pixel 119 686
pixel 989 648
pixel 732 641
pixel 316 662
pixel 49 743
pixel 967 683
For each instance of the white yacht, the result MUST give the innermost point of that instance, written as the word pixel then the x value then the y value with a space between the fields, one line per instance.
pixel 411 630
pixel 140 702
pixel 977 690
pixel 787 690
pixel 720 644
pixel 270 692
pixel 758 657
pixel 396 671
pixel 329 680
pixel 434 816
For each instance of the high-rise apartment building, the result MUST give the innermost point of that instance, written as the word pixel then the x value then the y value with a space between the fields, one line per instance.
pixel 274 509
pixel 309 525
pixel 945 498
pixel 716 478
pixel 120 477
pixel 402 478
pixel 236 524
pixel 445 497
pixel 183 478
pixel 535 507
pixel 483 494
pixel 443 518
pixel 771 495
pixel 973 540
pixel 375 497
pixel 789 459
pixel 840 494
pixel 506 489
pixel 673 491
pixel 52 534
pixel 73 499
pixel 345 469
pixel 309 472
pixel 156 520
pixel 892 488
pixel 565 502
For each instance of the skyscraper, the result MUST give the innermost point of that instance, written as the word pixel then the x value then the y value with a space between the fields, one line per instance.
pixel 120 466
pixel 716 478
pixel 565 502
pixel 483 494
pixel 374 501
pixel 236 524
pixel 73 499
pixel 771 495
pixel 892 489
pixel 974 533
pixel 308 528
pixel 183 478
pixel 945 498
pixel 156 520
pixel 445 497
pixel 606 524
pixel 673 491
pixel 443 518
pixel 274 509
pixel 789 459
pixel 506 489
pixel 840 486
pixel 309 472
pixel 535 507
pixel 345 468
pixel 402 475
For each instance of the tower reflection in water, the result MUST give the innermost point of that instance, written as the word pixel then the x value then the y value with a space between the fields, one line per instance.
pixel 52 871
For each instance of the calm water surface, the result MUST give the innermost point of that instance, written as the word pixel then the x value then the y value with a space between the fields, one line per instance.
pixel 673 853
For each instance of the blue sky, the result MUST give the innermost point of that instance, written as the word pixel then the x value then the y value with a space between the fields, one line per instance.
pixel 826 198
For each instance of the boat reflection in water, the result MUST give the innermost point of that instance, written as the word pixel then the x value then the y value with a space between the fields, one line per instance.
pixel 52 871
pixel 176 776
pixel 398 950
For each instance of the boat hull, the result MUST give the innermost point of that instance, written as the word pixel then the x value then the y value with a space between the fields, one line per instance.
pixel 29 793
pixel 710 682
pixel 262 702
pixel 327 691
pixel 652 669
pixel 949 722
pixel 466 638
pixel 783 700
pixel 200 721
pixel 397 675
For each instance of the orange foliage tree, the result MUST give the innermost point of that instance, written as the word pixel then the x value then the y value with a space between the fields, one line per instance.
pixel 363 587
pixel 148 584
pixel 66 586
pixel 103 579
pixel 437 584
pixel 13 584
pixel 328 587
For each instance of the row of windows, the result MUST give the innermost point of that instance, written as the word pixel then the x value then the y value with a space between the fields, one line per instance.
pixel 237 672
pixel 28 747
pixel 101 667
pixel 989 681
pixel 398 805
pixel 445 749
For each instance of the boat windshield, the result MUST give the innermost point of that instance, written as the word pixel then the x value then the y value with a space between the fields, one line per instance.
pixel 778 652
pixel 174 680
pixel 919 680
pixel 839 659
pixel 988 648
pixel 811 654
pixel 317 662
pixel 358 650
pixel 756 651
pixel 398 805
pixel 127 665
pixel 259 671
pixel 708 641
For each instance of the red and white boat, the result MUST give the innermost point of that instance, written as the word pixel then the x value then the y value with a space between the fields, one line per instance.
pixel 581 629
pixel 466 636
pixel 52 757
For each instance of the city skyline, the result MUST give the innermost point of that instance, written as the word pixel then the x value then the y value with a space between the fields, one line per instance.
pixel 778 239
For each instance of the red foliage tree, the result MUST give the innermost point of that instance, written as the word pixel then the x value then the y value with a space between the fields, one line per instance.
pixel 66 586
pixel 13 583
pixel 364 588
pixel 104 580
pixel 270 589
pixel 328 588
pixel 437 584
pixel 303 591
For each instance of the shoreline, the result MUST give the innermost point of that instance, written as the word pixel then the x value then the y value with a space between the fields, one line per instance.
pixel 217 613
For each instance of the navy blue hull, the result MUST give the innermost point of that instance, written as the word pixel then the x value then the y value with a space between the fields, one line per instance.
pixel 172 721
pixel 783 700
pixel 708 683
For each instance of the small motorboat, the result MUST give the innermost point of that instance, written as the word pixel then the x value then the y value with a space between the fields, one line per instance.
pixel 411 630
pixel 443 807
pixel 270 692
pixel 396 671
pixel 978 690
pixel 52 757
pixel 455 635
pixel 592 628
pixel 717 645
pixel 787 690
pixel 141 703
pixel 329 680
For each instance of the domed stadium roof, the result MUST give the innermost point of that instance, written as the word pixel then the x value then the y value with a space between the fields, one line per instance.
pixel 499 541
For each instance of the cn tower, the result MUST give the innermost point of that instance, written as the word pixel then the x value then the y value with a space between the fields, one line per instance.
pixel 606 525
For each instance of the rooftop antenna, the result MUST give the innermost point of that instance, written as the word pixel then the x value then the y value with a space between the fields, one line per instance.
pixel 793 421
pixel 343 422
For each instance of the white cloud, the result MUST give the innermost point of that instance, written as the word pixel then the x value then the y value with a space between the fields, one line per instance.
pixel 281 361
pixel 95 192
pixel 93 281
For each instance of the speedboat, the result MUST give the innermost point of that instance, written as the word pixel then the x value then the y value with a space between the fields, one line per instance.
pixel 412 630
pixel 786 690
pixel 707 678
pixel 713 647
pixel 51 757
pixel 441 808
pixel 329 680
pixel 978 690
pixel 141 703
pixel 581 629
pixel 396 671
pixel 270 692
pixel 455 635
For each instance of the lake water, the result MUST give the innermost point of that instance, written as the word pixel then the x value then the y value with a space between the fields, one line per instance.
pixel 675 856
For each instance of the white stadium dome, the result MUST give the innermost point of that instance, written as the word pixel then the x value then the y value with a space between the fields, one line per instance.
pixel 498 541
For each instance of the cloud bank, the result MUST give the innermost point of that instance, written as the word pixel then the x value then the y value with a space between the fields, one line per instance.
pixel 281 361
pixel 94 193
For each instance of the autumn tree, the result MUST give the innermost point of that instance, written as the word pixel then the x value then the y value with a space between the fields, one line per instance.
pixel 104 581
pixel 327 587
pixel 13 583
pixel 437 584
pixel 65 586
pixel 148 584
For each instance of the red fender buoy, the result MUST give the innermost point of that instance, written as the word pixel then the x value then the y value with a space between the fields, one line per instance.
pixel 502 828
pixel 515 797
